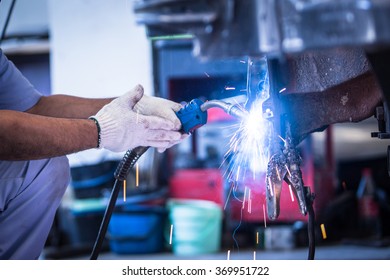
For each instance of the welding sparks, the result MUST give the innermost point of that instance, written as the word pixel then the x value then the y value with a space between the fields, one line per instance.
pixel 249 202
pixel 248 150
pixel 278 174
pixel 288 170
pixel 136 175
pixel 124 190
pixel 270 186
pixel 170 235
pixel 281 138
pixel 257 237
pixel 230 88
pixel 238 173
pixel 265 220
pixel 291 193
pixel 323 231
pixel 243 202
pixel 282 90
pixel 227 199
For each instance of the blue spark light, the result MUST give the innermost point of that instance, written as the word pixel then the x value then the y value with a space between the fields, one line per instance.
pixel 248 153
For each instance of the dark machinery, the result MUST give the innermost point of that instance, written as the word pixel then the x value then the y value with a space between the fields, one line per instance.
pixel 326 62
pixel 310 46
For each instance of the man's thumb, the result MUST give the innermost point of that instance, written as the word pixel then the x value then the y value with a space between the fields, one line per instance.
pixel 135 95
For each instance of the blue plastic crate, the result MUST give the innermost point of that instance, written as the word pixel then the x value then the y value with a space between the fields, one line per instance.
pixel 137 229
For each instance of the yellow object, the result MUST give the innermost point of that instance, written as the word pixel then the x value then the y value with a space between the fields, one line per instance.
pixel 323 231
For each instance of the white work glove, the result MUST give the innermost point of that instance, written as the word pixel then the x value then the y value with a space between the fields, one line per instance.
pixel 155 106
pixel 122 128
pixel 164 108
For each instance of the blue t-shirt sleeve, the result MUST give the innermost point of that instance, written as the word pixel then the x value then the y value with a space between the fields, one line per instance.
pixel 16 92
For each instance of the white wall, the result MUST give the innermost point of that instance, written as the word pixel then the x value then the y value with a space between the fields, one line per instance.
pixel 28 16
pixel 97 50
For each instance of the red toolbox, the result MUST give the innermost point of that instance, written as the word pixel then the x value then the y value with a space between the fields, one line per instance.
pixel 252 208
pixel 206 184
pixel 255 202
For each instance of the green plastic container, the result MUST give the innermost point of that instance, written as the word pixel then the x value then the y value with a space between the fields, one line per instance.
pixel 197 226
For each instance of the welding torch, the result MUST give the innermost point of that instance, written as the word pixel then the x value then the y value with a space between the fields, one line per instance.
pixel 192 116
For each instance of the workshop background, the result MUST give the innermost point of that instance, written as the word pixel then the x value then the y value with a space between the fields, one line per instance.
pixel 177 203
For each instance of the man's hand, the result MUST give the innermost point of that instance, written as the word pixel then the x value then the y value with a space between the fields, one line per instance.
pixel 125 126
pixel 164 108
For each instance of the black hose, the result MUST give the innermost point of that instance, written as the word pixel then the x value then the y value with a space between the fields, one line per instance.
pixel 7 20
pixel 106 220
pixel 311 233
pixel 128 161
pixel 311 223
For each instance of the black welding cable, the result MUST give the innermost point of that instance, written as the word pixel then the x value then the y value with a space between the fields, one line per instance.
pixel 311 224
pixel 128 161
pixel 309 198
pixel 106 220
pixel 9 14
pixel 311 233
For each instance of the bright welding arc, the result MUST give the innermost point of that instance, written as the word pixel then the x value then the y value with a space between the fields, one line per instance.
pixel 248 149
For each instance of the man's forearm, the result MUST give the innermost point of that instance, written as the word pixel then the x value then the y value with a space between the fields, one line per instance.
pixel 66 106
pixel 26 136
pixel 352 101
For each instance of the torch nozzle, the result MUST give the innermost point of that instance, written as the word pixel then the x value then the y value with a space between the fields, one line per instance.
pixel 231 109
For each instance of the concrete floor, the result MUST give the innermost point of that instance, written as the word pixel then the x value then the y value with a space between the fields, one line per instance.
pixel 323 253
pixel 331 252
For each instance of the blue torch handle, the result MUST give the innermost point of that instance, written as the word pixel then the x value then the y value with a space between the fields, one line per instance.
pixel 191 116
